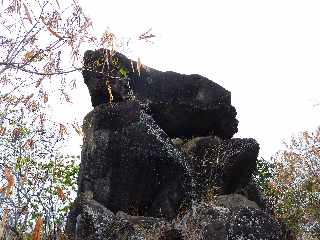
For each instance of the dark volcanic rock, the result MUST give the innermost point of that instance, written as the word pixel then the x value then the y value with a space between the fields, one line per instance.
pixel 130 164
pixel 88 219
pixel 182 105
pixel 222 165
pixel 142 179
pixel 205 221
pixel 208 221
pixel 253 224
pixel 254 193
pixel 171 234
pixel 92 221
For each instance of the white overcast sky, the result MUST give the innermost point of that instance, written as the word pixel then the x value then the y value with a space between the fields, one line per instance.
pixel 267 53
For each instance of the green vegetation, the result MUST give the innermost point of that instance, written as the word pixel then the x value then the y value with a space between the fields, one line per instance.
pixel 292 184
pixel 37 177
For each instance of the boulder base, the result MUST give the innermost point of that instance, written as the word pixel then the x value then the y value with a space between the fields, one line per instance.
pixel 205 221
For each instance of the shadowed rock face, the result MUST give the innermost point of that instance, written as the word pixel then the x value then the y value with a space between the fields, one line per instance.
pixel 254 193
pixel 182 105
pixel 224 164
pixel 130 164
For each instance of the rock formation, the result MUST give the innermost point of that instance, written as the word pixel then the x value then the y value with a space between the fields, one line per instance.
pixel 159 162
pixel 183 105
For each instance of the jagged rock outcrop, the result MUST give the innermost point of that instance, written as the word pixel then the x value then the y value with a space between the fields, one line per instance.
pixel 159 162
pixel 182 105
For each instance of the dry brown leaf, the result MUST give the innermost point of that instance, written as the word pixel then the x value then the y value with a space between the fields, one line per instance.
pixel 36 234
pixel 77 129
pixel 27 13
pixel 62 236
pixel 43 20
pixel 28 144
pixel 27 98
pixel 10 181
pixel 62 130
pixel 28 56
pixel 61 193
pixel 318 134
pixel 16 133
pixel 107 40
pixel 3 222
pixel 316 151
pixel 39 81
pixel 306 136
pixel 54 33
pixel 2 130
pixel 45 97
pixel 23 179
pixel 33 106
pixel 86 24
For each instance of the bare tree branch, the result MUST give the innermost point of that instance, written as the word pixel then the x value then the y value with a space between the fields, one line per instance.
pixel 19 67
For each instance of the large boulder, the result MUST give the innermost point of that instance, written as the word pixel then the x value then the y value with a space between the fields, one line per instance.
pixel 130 164
pixel 182 105
pixel 89 220
pixel 221 165
pixel 209 221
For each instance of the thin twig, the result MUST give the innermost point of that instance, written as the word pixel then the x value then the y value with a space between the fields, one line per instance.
pixel 18 67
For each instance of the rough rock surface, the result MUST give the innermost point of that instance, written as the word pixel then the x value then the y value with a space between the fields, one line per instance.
pixel 89 220
pixel 205 221
pixel 254 193
pixel 182 105
pixel 232 201
pixel 130 164
pixel 157 162
pixel 222 164
pixel 251 224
